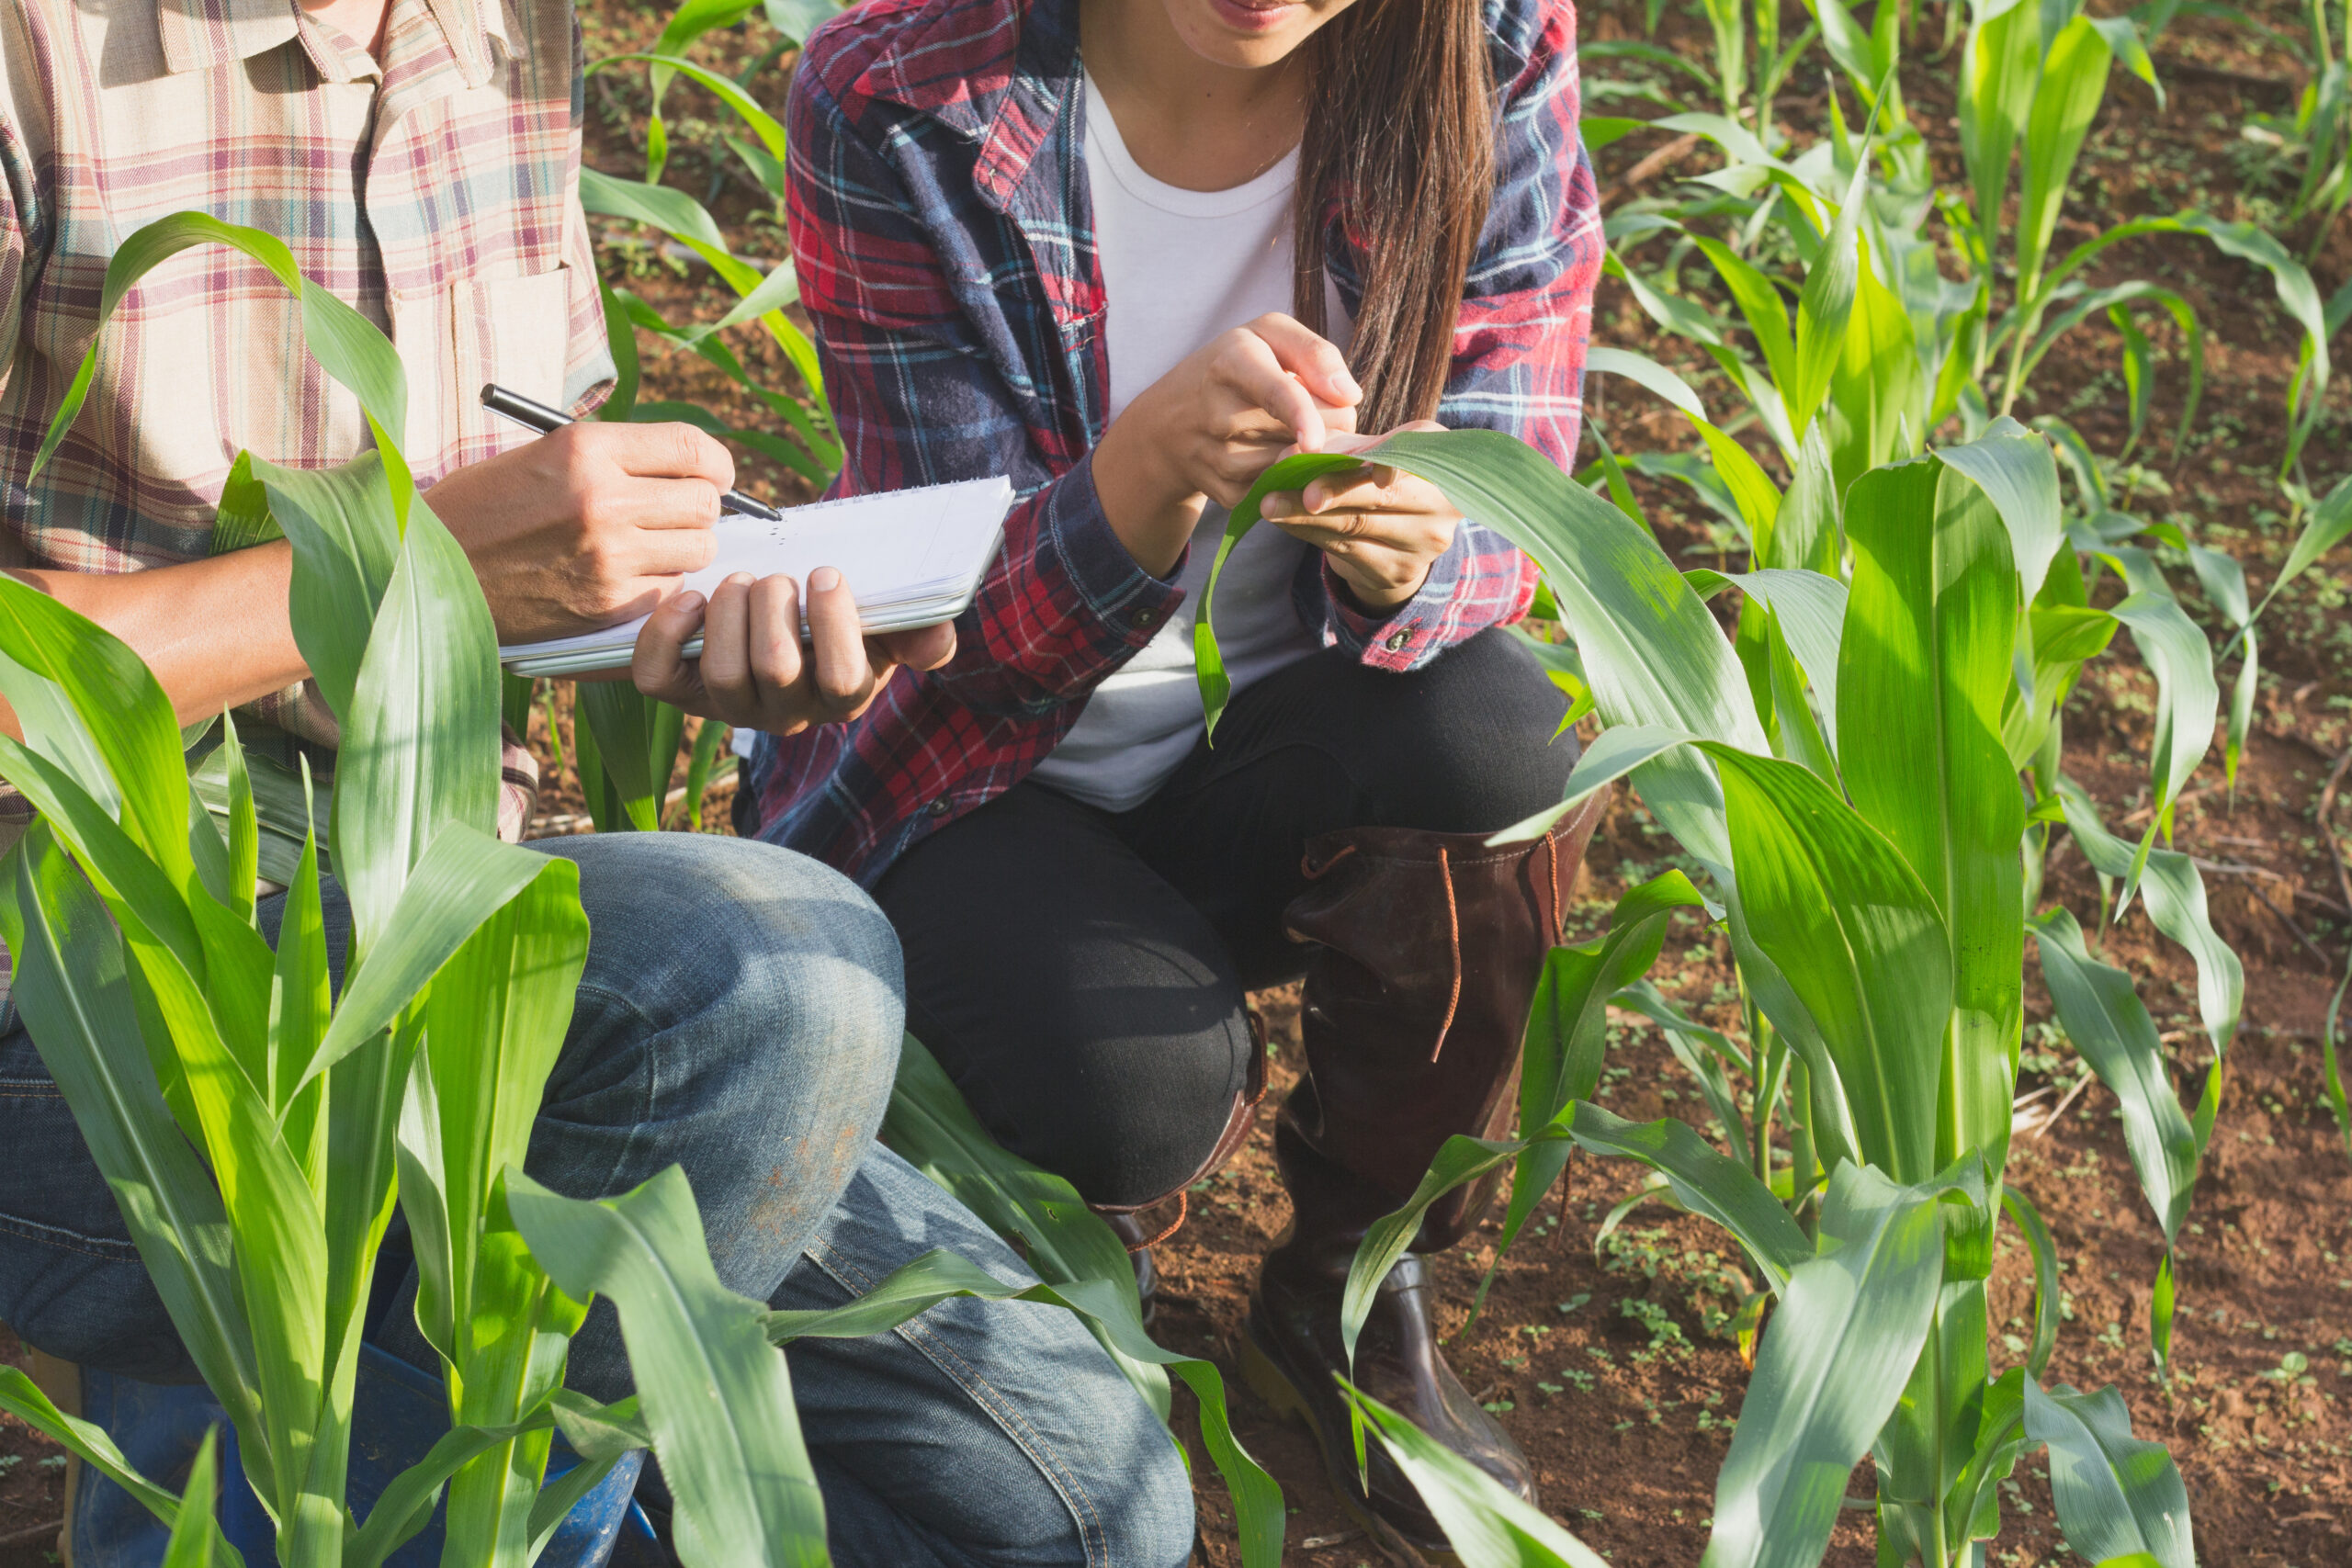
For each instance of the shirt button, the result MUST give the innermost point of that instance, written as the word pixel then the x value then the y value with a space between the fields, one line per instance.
pixel 940 807
pixel 1399 641
pixel 1144 618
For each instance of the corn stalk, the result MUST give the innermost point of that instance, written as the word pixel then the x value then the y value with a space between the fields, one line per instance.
pixel 1845 769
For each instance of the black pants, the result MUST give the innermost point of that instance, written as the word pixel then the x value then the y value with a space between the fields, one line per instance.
pixel 1080 974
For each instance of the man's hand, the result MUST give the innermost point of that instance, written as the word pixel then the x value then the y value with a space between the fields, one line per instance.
pixel 754 671
pixel 1379 528
pixel 587 526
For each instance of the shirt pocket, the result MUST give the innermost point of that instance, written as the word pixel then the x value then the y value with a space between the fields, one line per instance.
pixel 515 330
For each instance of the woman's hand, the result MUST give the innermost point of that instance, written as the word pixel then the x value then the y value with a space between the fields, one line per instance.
pixel 1208 428
pixel 1379 528
pixel 754 671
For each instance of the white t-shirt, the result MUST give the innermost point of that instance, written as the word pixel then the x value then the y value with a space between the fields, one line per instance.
pixel 1179 267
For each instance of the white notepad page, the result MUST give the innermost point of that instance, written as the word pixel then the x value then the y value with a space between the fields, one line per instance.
pixel 911 558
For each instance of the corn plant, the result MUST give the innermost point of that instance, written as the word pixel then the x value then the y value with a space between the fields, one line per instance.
pixel 2317 132
pixel 627 744
pixel 1846 771
pixel 255 1123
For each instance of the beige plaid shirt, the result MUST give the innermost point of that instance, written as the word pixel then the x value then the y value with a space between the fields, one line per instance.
pixel 438 194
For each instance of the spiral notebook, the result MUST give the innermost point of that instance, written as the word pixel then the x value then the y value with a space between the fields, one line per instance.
pixel 913 558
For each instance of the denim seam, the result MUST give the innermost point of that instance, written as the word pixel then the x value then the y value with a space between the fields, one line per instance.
pixel 653 1032
pixel 1006 1417
pixel 102 1247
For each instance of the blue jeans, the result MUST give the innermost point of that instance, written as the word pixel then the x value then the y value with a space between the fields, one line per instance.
pixel 740 1016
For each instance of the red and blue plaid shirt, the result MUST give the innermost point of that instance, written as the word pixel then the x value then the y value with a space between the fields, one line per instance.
pixel 941 230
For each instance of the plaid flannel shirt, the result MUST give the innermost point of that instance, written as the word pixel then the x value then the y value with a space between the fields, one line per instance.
pixel 941 226
pixel 437 194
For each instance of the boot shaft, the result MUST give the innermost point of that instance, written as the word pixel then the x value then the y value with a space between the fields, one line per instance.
pixel 1415 1009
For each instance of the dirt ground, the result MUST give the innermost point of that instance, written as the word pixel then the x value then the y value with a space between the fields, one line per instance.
pixel 1610 1369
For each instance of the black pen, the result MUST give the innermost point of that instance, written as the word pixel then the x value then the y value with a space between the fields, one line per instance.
pixel 537 416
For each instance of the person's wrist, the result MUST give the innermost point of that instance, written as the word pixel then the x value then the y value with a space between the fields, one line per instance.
pixel 1149 501
pixel 1377 597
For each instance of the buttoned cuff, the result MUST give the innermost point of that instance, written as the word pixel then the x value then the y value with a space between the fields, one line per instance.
pixel 1129 603
pixel 1406 636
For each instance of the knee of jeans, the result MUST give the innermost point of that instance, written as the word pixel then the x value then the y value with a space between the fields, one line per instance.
pixel 779 975
pixel 808 957
pixel 1149 1519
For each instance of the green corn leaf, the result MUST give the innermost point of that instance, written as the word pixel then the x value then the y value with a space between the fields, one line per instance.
pixel 345 343
pixel 2117 302
pixel 2330 521
pixel 2047 1295
pixel 1068 1245
pixel 1859 939
pixel 2000 74
pixel 1808 533
pixel 637 739
pixel 2074 81
pixel 701 763
pixel 620 339
pixel 1652 652
pixel 1702 1180
pixel 86 703
pixel 244 828
pixel 194 1529
pixel 1616 751
pixel 71 986
pixel 495 1025
pixel 918 1285
pixel 671 211
pixel 1060 1238
pixel 420 744
pixel 406 1506
pixel 2189 699
pixel 1561 1056
pixel 1487 1526
pixel 2174 890
pixel 2115 1494
pixel 714 1392
pixel 2103 1015
pixel 300 1006
pixel 1825 305
pixel 345 538
pixel 1929 628
pixel 1828 1371
pixel 1797 732
pixel 1810 610
pixel 1998 1443
pixel 2331 1064
pixel 2241 717
pixel 1878 394
pixel 462 879
pixel 1705 1053
pixel 2288 279
pixel 20 1397
pixel 2018 475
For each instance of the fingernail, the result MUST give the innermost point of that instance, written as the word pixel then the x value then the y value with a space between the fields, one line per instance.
pixel 824 580
pixel 688 601
pixel 1349 389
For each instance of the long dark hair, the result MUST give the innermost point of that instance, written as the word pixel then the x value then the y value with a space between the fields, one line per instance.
pixel 1400 133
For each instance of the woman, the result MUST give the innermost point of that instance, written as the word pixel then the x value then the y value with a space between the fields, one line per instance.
pixel 1128 253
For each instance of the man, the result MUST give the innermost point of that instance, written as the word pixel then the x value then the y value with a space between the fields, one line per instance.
pixel 741 1006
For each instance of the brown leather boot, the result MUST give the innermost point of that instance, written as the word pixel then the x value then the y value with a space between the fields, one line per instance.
pixel 1413 1018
